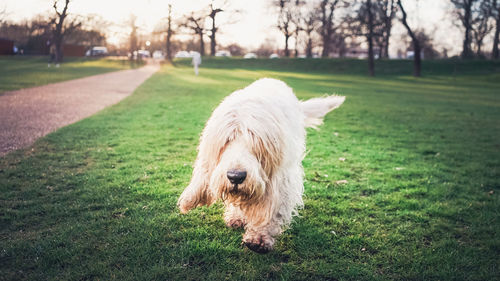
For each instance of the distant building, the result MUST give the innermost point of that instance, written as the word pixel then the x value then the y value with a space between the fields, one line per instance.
pixel 6 46
pixel 71 50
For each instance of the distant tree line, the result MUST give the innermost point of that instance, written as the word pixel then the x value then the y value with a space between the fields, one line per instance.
pixel 337 26
pixel 326 28
pixel 35 36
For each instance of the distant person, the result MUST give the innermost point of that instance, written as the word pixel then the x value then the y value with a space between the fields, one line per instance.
pixel 52 55
pixel 196 61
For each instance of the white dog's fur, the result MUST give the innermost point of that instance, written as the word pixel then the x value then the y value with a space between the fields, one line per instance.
pixel 261 130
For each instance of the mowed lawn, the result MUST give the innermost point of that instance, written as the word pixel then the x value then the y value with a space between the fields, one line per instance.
pixel 19 72
pixel 96 200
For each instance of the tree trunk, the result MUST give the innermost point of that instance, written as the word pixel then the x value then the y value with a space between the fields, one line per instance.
pixel 58 41
pixel 59 51
pixel 417 61
pixel 309 48
pixel 479 45
pixel 326 46
pixel 169 33
pixel 371 62
pixel 387 37
pixel 287 52
pixel 58 33
pixel 494 52
pixel 202 44
pixel 296 51
pixel 466 48
pixel 381 50
pixel 326 26
pixel 213 43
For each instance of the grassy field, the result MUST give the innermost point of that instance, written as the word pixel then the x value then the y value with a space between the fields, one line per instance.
pixel 19 72
pixel 96 200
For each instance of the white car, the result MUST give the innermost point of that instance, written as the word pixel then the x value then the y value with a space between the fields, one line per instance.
pixel 158 55
pixel 223 53
pixel 250 56
pixel 274 56
pixel 144 53
pixel 182 54
pixel 193 54
pixel 97 51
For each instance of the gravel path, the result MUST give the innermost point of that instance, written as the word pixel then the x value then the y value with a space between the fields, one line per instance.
pixel 28 114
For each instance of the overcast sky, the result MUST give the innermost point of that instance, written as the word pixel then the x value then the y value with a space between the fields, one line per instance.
pixel 252 26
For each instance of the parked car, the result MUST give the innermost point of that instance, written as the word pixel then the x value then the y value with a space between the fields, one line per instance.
pixel 144 53
pixel 250 56
pixel 274 56
pixel 158 55
pixel 194 53
pixel 223 53
pixel 182 54
pixel 97 51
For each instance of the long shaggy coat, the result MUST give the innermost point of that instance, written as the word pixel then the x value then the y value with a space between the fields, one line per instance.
pixel 250 156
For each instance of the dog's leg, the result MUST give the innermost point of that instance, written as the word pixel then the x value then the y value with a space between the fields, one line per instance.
pixel 261 239
pixel 272 216
pixel 233 216
pixel 262 226
pixel 196 193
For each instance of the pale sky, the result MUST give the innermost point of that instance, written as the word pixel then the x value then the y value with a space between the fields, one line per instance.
pixel 252 26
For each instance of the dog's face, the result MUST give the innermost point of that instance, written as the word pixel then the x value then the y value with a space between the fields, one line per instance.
pixel 245 165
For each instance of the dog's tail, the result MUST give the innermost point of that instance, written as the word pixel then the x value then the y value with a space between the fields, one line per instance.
pixel 316 108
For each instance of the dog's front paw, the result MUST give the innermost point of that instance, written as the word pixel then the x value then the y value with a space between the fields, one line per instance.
pixel 185 204
pixel 258 242
pixel 235 223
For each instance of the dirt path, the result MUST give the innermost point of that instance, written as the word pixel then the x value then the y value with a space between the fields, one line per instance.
pixel 28 114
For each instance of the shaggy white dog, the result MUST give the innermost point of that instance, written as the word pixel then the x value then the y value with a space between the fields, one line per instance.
pixel 250 156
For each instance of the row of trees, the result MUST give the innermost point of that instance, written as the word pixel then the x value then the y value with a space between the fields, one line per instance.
pixel 478 18
pixel 333 26
pixel 36 35
pixel 338 23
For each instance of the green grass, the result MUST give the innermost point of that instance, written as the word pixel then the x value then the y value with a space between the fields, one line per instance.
pixel 19 72
pixel 96 199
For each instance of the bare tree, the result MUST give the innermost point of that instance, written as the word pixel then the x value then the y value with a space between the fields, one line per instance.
pixel 59 29
pixel 496 16
pixel 133 40
pixel 213 29
pixel 169 33
pixel 3 14
pixel 296 32
pixel 427 48
pixel 308 24
pixel 196 23
pixel 267 47
pixel 92 32
pixel 286 21
pixel 417 62
pixel 327 28
pixel 235 49
pixel 365 23
pixel 463 11
pixel 371 63
pixel 481 24
pixel 387 10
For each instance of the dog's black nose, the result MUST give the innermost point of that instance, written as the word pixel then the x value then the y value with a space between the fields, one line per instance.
pixel 236 176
